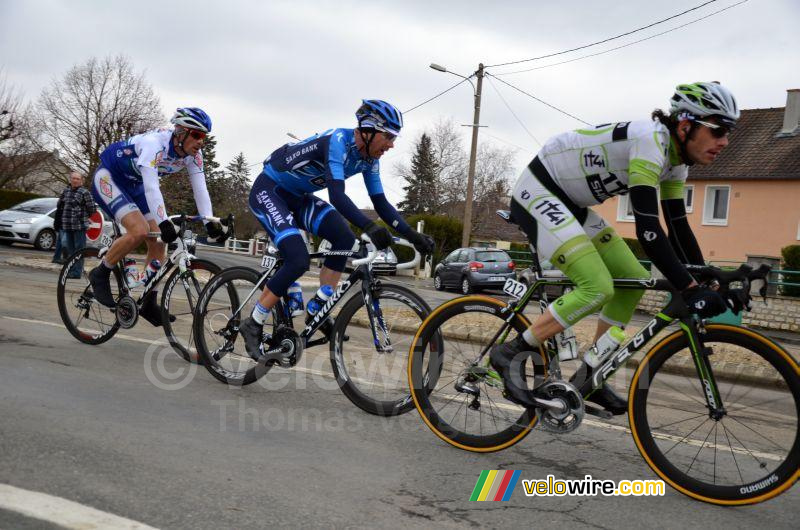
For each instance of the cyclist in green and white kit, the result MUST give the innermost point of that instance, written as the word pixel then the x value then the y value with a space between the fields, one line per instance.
pixel 575 170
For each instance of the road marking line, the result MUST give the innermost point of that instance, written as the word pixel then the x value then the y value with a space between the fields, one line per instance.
pixel 53 324
pixel 62 512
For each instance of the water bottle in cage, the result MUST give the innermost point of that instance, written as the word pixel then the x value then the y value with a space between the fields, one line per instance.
pixel 567 345
pixel 132 273
pixel 150 270
pixel 294 297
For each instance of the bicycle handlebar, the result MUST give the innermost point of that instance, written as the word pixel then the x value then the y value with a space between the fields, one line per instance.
pixel 408 264
pixel 370 256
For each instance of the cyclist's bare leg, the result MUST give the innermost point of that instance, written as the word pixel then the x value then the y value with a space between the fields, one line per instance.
pixel 155 248
pixel 329 277
pixel 545 327
pixel 136 228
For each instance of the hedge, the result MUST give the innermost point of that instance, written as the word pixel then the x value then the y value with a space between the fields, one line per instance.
pixel 9 198
pixel 791 261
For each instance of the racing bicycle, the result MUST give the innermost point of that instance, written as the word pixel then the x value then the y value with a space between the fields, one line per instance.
pixel 93 323
pixel 367 340
pixel 714 409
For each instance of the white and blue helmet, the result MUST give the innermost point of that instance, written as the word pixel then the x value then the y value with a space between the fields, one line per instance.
pixel 379 115
pixel 192 118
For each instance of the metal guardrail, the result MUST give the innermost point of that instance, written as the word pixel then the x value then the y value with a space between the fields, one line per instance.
pixel 778 277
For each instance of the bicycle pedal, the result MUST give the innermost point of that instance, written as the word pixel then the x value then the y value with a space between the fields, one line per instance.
pixel 603 414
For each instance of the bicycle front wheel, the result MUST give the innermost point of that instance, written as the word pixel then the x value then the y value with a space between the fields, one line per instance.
pixel 749 454
pixel 376 380
pixel 462 401
pixel 178 301
pixel 85 318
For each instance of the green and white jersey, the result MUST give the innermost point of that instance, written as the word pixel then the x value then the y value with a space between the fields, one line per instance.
pixel 592 165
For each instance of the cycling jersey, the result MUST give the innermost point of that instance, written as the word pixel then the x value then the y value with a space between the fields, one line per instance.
pixel 136 165
pixel 304 167
pixel 592 165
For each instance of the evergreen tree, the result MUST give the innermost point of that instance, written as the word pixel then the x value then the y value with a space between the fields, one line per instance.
pixel 421 189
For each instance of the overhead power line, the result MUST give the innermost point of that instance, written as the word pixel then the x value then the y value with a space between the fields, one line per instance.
pixel 443 92
pixel 605 40
pixel 543 102
pixel 514 113
pixel 625 45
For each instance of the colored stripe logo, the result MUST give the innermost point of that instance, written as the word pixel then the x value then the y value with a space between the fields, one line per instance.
pixel 495 485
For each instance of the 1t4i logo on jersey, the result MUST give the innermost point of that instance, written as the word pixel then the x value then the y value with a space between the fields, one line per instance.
pixel 494 485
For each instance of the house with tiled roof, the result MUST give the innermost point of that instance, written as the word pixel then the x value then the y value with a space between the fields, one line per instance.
pixel 746 203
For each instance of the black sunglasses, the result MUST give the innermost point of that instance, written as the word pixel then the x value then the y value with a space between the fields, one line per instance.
pixel 717 130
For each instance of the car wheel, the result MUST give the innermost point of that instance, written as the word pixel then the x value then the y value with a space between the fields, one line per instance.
pixel 466 287
pixel 45 240
pixel 437 282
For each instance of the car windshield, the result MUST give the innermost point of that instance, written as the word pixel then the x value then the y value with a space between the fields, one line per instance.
pixel 493 255
pixel 36 206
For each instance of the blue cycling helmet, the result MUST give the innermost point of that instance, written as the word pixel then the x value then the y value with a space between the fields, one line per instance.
pixel 379 115
pixel 192 118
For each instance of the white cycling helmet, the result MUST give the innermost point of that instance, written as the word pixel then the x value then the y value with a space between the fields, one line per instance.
pixel 702 99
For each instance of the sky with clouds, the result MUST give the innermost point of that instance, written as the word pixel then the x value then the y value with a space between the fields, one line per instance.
pixel 262 69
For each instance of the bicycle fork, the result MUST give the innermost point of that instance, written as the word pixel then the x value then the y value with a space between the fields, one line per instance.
pixel 700 353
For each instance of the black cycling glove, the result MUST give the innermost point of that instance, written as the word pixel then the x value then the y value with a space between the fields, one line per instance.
pixel 380 236
pixel 422 242
pixel 168 233
pixel 704 302
pixel 216 232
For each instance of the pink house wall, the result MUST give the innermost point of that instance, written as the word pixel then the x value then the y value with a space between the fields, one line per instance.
pixel 763 217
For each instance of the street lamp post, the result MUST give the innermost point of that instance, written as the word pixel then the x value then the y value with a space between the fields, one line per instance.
pixel 465 234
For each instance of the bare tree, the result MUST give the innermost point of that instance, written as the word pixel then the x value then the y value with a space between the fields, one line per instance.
pixel 92 105
pixel 493 169
pixel 15 144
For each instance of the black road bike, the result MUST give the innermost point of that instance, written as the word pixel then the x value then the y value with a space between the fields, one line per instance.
pixel 714 409
pixel 367 338
pixel 93 323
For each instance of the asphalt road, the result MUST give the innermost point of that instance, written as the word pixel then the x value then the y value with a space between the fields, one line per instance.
pixel 130 429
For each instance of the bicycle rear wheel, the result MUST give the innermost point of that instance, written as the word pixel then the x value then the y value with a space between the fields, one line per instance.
pixel 223 304
pixel 179 299
pixel 377 382
pixel 446 346
pixel 85 318
pixel 748 455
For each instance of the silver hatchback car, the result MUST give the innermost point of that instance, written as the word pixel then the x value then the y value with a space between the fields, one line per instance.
pixel 30 222
pixel 471 269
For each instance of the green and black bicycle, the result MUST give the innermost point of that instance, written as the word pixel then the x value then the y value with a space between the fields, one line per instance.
pixel 714 409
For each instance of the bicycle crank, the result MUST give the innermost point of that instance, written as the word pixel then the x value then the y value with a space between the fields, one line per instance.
pixel 285 348
pixel 562 408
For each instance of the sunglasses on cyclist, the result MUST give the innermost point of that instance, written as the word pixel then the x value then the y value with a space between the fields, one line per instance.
pixel 717 130
pixel 389 136
pixel 197 135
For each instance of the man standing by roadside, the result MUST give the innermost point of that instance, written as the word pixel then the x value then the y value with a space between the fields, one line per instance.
pixel 78 205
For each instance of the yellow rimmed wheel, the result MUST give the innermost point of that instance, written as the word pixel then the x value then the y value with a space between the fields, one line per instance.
pixel 460 398
pixel 743 451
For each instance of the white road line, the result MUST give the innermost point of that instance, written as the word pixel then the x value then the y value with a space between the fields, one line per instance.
pixel 62 512
pixel 53 324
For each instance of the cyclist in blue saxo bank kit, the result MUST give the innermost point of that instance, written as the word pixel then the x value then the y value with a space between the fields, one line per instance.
pixel 282 199
pixel 575 170
pixel 126 187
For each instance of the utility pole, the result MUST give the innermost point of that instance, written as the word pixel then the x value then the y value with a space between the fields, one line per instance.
pixel 465 234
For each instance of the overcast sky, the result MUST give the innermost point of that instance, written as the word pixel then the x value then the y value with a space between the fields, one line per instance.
pixel 262 69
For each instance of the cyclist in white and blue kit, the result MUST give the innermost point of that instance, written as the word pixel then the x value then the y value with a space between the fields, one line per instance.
pixel 282 199
pixel 126 187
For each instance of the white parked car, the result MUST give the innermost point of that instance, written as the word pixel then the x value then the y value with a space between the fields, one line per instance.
pixel 30 222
